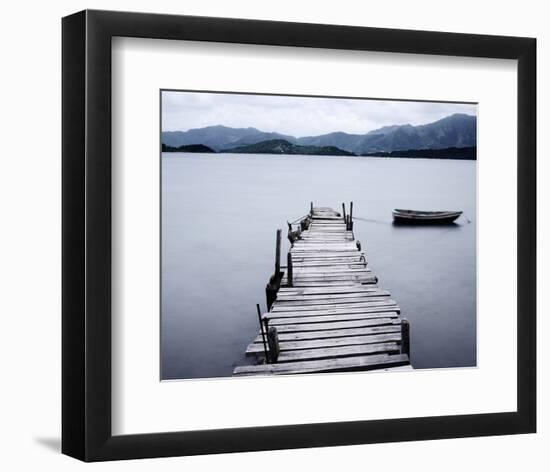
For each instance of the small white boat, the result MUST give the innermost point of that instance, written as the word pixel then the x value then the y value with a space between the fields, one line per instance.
pixel 424 217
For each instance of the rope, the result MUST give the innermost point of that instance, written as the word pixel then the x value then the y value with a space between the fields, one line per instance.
pixel 299 219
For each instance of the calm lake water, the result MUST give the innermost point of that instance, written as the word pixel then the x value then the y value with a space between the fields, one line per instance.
pixel 219 218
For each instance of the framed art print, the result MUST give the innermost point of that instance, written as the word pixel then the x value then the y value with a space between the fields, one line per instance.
pixel 283 235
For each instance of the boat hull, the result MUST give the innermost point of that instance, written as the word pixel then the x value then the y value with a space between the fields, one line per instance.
pixel 410 217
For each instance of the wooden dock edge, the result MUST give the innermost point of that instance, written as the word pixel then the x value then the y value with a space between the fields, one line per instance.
pixel 326 312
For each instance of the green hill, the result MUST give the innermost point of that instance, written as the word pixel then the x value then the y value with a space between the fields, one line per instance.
pixel 187 148
pixel 281 146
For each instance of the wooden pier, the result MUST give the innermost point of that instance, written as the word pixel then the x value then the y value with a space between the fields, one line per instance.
pixel 326 312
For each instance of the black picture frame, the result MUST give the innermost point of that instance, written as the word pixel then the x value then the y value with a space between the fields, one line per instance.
pixel 86 230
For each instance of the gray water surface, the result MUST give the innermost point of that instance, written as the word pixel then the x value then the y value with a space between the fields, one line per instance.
pixel 220 213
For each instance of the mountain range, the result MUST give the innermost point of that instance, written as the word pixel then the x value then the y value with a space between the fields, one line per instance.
pixel 457 130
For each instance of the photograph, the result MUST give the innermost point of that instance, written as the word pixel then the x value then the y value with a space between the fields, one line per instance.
pixel 316 234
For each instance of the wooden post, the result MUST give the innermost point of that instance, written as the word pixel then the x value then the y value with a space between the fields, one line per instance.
pixel 311 208
pixel 271 290
pixel 273 341
pixel 405 337
pixel 266 327
pixel 289 268
pixel 262 330
pixel 344 211
pixel 270 295
pixel 350 216
pixel 358 244
pixel 278 254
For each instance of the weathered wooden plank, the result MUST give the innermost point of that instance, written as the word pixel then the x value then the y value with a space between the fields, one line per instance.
pixel 332 234
pixel 340 262
pixel 362 278
pixel 335 242
pixel 327 258
pixel 331 269
pixel 307 240
pixel 329 229
pixel 327 291
pixel 328 265
pixel 257 349
pixel 336 333
pixel 322 272
pixel 337 276
pixel 322 232
pixel 335 285
pixel 302 244
pixel 312 282
pixel 328 365
pixel 305 284
pixel 339 267
pixel 351 288
pixel 319 249
pixel 364 310
pixel 311 238
pixel 331 237
pixel 311 299
pixel 352 259
pixel 287 305
pixel 342 288
pixel 326 238
pixel 364 303
pixel 296 328
pixel 310 249
pixel 378 308
pixel 336 299
pixel 326 220
pixel 298 281
pixel 321 253
pixel 330 318
pixel 321 283
pixel 326 255
pixel 336 352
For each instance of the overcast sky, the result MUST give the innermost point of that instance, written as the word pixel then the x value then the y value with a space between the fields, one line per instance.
pixel 296 116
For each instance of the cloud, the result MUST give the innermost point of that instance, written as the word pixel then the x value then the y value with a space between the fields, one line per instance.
pixel 297 116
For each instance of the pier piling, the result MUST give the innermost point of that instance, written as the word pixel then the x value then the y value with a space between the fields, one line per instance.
pixel 278 253
pixel 405 337
pixel 262 329
pixel 289 269
pixel 273 341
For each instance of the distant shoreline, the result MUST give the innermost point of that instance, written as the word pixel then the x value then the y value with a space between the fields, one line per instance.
pixel 455 153
pixel 277 147
pixel 321 155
